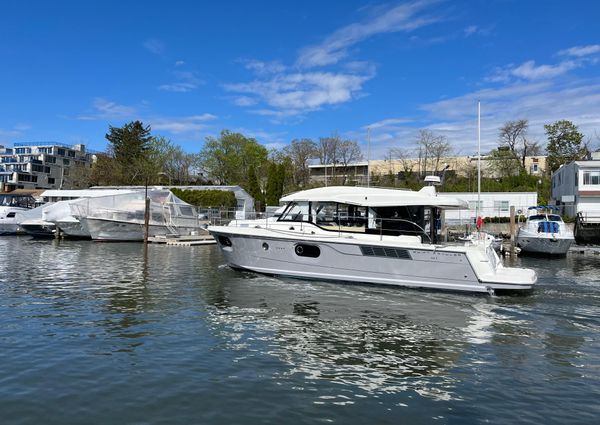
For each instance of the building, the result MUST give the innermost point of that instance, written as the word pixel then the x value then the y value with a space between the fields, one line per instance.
pixel 576 188
pixel 491 204
pixel 40 165
pixel 459 165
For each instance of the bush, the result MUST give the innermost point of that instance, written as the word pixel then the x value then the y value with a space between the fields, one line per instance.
pixel 207 198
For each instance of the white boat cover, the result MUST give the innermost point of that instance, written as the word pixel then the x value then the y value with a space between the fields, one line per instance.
pixel 165 208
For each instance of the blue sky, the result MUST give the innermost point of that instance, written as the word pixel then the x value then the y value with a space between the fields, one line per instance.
pixel 278 70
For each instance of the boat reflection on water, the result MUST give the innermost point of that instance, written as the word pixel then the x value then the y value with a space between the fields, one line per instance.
pixel 368 340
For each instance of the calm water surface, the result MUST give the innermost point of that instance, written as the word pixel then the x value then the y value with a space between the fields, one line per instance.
pixel 109 334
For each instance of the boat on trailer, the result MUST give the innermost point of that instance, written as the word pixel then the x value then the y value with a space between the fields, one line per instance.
pixel 368 235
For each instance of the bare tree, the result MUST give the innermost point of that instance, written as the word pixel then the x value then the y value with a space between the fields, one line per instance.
pixel 431 146
pixel 513 134
pixel 348 152
pixel 406 158
pixel 300 152
pixel 328 151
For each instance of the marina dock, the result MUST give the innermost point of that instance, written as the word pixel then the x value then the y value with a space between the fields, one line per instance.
pixel 188 240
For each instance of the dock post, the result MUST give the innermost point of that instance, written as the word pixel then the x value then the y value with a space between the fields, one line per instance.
pixel 146 219
pixel 513 229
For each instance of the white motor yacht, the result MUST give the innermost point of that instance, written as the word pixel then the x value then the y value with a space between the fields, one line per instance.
pixel 544 232
pixel 10 206
pixel 369 235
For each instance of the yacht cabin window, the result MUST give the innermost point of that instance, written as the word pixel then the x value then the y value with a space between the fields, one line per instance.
pixel 339 217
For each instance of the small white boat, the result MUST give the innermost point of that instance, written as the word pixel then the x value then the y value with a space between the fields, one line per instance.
pixel 544 232
pixel 10 207
pixel 368 235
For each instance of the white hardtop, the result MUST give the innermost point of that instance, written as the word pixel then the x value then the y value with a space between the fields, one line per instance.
pixel 376 197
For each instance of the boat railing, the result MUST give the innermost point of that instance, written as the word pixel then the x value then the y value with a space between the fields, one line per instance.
pixel 397 226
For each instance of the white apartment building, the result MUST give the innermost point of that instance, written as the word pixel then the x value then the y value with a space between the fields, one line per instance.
pixel 576 188
pixel 40 165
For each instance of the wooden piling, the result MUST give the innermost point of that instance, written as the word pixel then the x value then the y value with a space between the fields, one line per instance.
pixel 513 230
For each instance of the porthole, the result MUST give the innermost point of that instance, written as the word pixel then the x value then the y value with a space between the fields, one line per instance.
pixel 224 240
pixel 265 246
pixel 304 250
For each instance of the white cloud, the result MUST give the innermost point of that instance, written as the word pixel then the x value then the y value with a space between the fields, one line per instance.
pixel 264 137
pixel 470 30
pixel 404 17
pixel 182 125
pixel 296 93
pixel 179 63
pixel 530 71
pixel 245 101
pixel 387 123
pixel 580 51
pixel 155 46
pixel 186 81
pixel 104 109
pixel 540 103
pixel 261 68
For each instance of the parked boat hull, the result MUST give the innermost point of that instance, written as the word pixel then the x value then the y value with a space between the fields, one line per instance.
pixel 409 266
pixel 543 244
pixel 115 230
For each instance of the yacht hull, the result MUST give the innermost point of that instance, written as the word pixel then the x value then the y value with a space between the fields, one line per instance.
pixel 73 229
pixel 409 266
pixel 113 230
pixel 543 244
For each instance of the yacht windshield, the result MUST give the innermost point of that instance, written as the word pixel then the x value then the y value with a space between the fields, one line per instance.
pixel 296 212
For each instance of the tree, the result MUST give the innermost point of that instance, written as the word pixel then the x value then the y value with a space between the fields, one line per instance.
pixel 229 157
pixel 129 147
pixel 300 152
pixel 253 189
pixel 565 144
pixel 348 152
pixel 328 151
pixel 77 176
pixel 503 163
pixel 513 135
pixel 430 145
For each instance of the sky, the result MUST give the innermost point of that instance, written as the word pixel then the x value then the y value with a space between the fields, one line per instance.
pixel 283 70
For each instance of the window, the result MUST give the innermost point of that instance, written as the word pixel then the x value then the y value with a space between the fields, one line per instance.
pixel 591 177
pixel 473 205
pixel 501 206
pixel 71 154
pixel 51 160
pixel 61 152
pixel 50 180
pixel 66 162
pixel 296 212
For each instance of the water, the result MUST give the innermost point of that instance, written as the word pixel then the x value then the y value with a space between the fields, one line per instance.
pixel 108 333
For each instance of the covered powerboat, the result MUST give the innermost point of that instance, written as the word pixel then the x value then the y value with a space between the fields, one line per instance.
pixel 370 235
pixel 544 232
pixel 120 217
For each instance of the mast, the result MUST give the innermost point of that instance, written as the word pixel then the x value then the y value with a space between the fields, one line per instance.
pixel 368 156
pixel 478 211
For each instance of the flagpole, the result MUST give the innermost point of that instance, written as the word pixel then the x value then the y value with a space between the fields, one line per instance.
pixel 478 210
pixel 368 156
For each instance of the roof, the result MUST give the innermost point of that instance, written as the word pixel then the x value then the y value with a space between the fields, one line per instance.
pixel 376 197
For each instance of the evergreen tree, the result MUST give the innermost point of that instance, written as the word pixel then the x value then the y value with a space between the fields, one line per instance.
pixel 253 188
